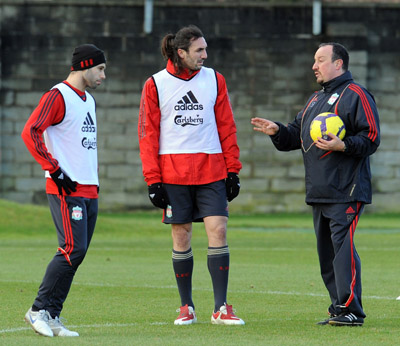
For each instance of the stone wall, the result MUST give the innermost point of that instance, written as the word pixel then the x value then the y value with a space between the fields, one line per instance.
pixel 265 51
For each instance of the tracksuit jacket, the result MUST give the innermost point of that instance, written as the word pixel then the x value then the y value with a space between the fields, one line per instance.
pixel 336 177
pixel 186 168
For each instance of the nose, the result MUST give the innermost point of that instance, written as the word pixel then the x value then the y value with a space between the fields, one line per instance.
pixel 204 55
pixel 315 66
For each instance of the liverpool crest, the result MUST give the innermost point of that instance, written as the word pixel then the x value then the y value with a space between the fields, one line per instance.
pixel 77 213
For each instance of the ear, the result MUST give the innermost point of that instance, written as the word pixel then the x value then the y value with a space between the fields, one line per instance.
pixel 339 64
pixel 181 53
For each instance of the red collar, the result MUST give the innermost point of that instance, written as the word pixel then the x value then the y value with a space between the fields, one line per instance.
pixel 82 94
pixel 183 75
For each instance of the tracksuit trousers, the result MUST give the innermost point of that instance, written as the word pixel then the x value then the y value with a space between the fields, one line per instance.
pixel 75 220
pixel 335 225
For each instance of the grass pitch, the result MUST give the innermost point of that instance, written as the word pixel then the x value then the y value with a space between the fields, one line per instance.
pixel 125 292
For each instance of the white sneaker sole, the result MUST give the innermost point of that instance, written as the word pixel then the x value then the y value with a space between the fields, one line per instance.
pixel 185 323
pixel 238 322
pixel 67 334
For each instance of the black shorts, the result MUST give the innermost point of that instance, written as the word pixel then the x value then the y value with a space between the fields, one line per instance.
pixel 191 203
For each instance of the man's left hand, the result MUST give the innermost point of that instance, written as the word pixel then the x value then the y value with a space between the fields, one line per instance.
pixel 232 184
pixel 333 144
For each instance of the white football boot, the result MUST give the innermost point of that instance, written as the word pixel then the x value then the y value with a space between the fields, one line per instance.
pixel 59 329
pixel 39 321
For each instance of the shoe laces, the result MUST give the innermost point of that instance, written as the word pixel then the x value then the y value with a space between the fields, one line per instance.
pixel 227 310
pixel 44 315
pixel 183 310
pixel 59 321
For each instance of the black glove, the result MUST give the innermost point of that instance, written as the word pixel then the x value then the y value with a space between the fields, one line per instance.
pixel 158 195
pixel 63 182
pixel 232 184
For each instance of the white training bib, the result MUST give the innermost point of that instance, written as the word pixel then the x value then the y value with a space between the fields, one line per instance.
pixel 187 113
pixel 73 142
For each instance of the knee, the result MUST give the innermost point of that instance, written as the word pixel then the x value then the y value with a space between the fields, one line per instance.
pixel 77 256
pixel 220 234
pixel 217 237
pixel 181 237
pixel 181 241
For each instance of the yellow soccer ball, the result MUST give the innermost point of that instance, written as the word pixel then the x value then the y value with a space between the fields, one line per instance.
pixel 325 123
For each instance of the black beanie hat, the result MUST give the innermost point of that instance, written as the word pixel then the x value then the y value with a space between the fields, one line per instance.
pixel 87 56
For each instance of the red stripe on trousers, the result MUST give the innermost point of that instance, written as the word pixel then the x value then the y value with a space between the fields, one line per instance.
pixel 353 263
pixel 69 239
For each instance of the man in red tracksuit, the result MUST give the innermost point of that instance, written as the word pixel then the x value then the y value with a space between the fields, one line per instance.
pixel 190 159
pixel 66 118
pixel 338 175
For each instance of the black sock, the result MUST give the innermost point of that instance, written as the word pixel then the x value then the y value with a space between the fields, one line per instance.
pixel 218 266
pixel 183 268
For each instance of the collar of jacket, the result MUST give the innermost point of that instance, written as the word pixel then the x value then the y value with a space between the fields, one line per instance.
pixel 336 82
pixel 183 75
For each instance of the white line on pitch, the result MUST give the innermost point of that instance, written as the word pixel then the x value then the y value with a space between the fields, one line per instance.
pixel 255 291
pixel 97 325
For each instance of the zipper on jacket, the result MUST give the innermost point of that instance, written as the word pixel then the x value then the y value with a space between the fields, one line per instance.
pixel 352 189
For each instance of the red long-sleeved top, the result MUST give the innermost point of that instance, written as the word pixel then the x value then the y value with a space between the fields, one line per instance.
pixel 50 111
pixel 186 169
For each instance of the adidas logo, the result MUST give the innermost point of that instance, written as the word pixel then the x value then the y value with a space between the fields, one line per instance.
pixel 351 317
pixel 188 102
pixel 88 124
pixel 350 210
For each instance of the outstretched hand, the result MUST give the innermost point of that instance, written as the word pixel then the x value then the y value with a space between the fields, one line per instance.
pixel 264 125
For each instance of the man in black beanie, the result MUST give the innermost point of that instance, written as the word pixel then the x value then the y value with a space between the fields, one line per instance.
pixel 66 118
pixel 87 56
